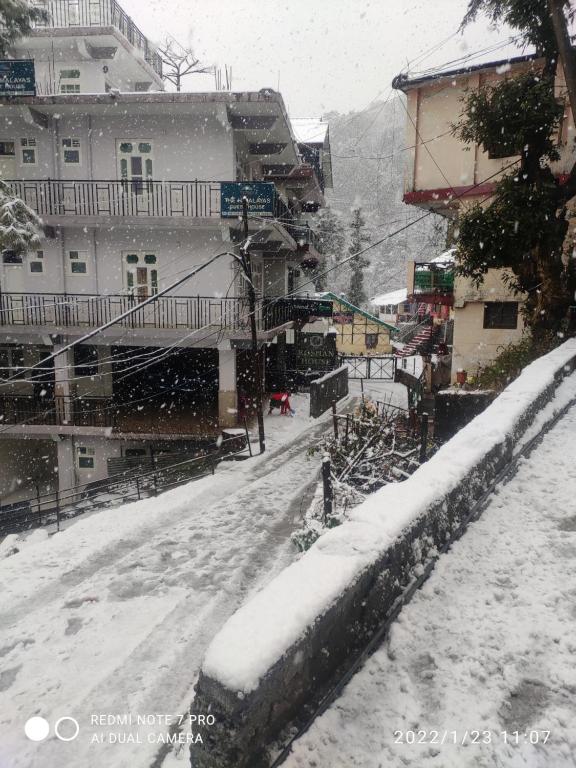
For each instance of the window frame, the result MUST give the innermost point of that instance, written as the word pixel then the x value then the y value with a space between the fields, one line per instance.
pixel 371 345
pixel 28 144
pixel 81 260
pixel 493 324
pixel 71 148
pixel 18 258
pixel 36 258
pixel 70 84
pixel 84 451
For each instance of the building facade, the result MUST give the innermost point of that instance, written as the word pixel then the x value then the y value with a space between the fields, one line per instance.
pixel 358 332
pixel 136 187
pixel 444 175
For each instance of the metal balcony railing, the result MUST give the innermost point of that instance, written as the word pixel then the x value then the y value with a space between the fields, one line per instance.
pixel 56 411
pixel 147 198
pixel 91 310
pixel 98 13
pixel 179 199
pixel 433 278
pixel 305 236
pixel 63 310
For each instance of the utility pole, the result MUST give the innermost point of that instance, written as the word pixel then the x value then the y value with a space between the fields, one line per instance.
pixel 247 266
pixel 567 53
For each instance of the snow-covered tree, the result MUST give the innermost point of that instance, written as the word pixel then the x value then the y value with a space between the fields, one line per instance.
pixel 20 226
pixel 359 239
pixel 16 19
pixel 331 232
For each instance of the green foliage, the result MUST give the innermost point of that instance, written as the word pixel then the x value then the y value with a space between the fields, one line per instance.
pixel 506 233
pixel 517 113
pixel 512 359
pixel 529 17
pixel 16 19
pixel 523 228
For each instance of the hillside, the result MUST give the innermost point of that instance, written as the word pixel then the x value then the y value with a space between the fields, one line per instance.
pixel 368 164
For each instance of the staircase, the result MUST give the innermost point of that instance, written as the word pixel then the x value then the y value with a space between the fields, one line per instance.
pixel 420 343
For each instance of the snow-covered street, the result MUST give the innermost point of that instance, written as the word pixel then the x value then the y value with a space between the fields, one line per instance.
pixel 112 616
pixel 479 669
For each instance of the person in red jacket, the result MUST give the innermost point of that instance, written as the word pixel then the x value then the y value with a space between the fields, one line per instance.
pixel 280 400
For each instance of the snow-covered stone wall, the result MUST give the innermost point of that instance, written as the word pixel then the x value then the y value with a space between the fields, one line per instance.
pixel 285 646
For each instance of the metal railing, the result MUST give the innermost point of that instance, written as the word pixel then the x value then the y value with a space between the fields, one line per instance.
pixel 99 13
pixel 91 310
pixel 137 198
pixel 56 411
pixel 178 199
pixel 51 508
pixel 432 277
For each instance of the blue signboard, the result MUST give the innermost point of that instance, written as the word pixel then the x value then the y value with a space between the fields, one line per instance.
pixel 260 195
pixel 17 77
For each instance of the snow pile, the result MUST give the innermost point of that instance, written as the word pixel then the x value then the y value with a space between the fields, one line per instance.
pixel 261 632
pixel 494 650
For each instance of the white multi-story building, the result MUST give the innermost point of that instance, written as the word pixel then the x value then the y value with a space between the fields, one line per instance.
pixel 136 186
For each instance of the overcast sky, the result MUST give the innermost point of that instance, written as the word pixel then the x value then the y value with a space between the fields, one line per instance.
pixel 326 54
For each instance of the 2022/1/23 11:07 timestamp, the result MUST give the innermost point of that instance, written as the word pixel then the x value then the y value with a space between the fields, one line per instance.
pixel 471 736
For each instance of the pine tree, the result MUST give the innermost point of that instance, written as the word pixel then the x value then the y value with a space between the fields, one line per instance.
pixel 20 226
pixel 524 227
pixel 16 19
pixel 332 237
pixel 358 241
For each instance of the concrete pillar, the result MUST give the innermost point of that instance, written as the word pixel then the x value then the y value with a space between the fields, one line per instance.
pixel 63 372
pixel 227 392
pixel 66 463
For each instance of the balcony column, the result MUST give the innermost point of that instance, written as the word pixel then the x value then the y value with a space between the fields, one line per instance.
pixel 63 372
pixel 227 392
pixel 66 463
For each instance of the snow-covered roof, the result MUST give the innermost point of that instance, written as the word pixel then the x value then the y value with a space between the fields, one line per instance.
pixel 394 297
pixel 448 255
pixel 309 130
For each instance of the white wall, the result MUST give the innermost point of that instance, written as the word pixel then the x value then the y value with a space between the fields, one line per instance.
pixel 186 147
pixel 176 251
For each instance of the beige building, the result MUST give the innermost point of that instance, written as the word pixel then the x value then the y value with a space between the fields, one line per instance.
pixel 359 332
pixel 444 174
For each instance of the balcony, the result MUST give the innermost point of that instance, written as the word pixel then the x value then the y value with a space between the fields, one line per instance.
pixel 57 411
pixel 140 199
pixel 434 282
pixel 99 13
pixel 91 310
pixel 63 310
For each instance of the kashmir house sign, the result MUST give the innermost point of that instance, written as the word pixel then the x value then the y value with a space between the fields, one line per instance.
pixel 260 197
pixel 17 77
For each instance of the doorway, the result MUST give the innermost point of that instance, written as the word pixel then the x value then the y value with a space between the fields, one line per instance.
pixel 135 164
pixel 140 270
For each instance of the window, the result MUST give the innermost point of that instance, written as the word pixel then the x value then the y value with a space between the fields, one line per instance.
pixel 11 258
pixel 28 151
pixel 131 452
pixel 36 262
pixel 7 149
pixel 78 262
pixel 86 360
pixel 501 314
pixel 69 81
pixel 371 340
pixel 85 458
pixel 71 151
